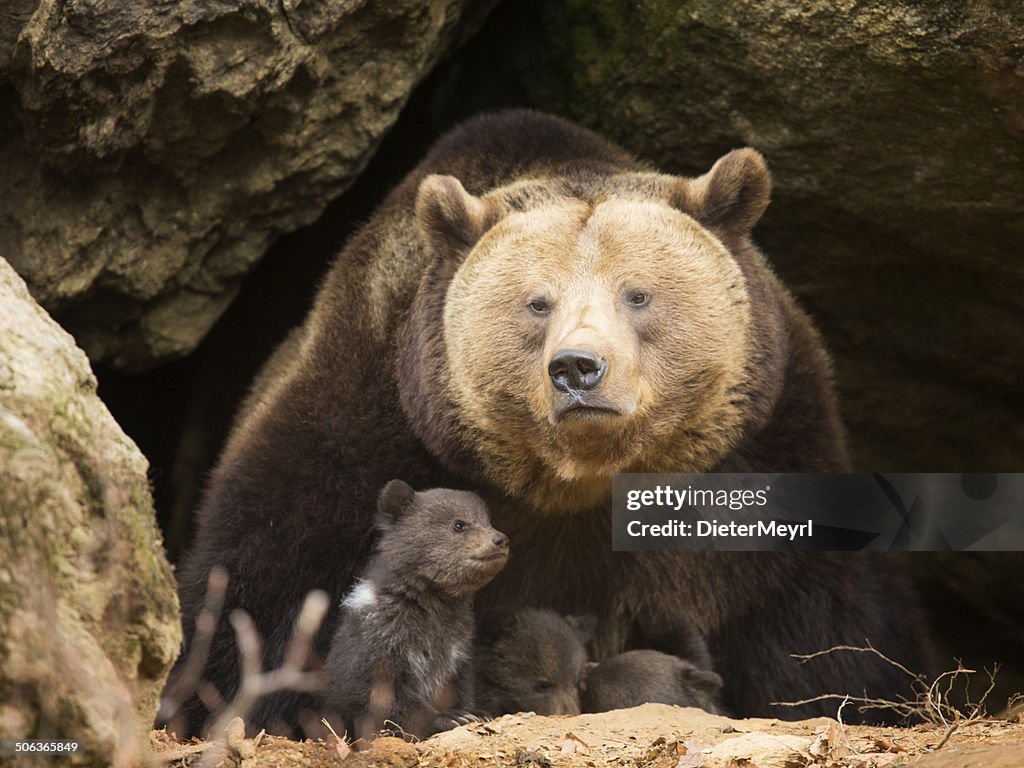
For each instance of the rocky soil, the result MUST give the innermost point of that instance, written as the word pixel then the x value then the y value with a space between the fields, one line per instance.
pixel 651 736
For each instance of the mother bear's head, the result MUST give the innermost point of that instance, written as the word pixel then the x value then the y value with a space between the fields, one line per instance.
pixel 585 322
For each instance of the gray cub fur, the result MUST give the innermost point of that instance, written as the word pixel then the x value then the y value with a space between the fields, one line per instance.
pixel 532 661
pixel 402 650
pixel 638 677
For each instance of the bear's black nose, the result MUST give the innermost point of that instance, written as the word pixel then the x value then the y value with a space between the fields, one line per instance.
pixel 576 369
pixel 500 540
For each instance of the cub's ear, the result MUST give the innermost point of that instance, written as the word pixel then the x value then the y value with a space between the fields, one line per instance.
pixel 701 680
pixel 450 218
pixel 734 193
pixel 395 499
pixel 588 667
pixel 584 626
pixel 492 623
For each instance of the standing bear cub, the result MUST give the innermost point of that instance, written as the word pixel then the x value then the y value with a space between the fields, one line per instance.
pixel 402 653
pixel 529 312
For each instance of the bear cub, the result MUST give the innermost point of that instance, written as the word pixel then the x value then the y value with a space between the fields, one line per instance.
pixel 402 652
pixel 535 660
pixel 643 676
pixel 532 660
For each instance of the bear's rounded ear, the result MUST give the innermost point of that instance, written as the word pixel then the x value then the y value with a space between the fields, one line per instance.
pixel 588 667
pixel 395 498
pixel 492 623
pixel 701 680
pixel 733 195
pixel 450 218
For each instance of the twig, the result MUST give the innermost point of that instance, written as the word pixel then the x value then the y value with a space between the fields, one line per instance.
pixel 931 700
pixel 839 712
pixel 906 708
pixel 945 738
pixel 255 683
pixel 979 708
pixel 188 679
pixel 803 657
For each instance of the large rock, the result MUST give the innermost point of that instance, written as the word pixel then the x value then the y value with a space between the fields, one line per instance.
pixel 151 151
pixel 88 611
pixel 895 133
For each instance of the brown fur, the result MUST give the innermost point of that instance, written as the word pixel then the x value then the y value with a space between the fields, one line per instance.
pixel 422 360
pixel 666 379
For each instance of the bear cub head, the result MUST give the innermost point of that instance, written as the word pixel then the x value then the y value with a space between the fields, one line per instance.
pixel 440 539
pixel 639 677
pixel 532 661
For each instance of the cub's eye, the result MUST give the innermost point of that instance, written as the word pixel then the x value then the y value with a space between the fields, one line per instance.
pixel 639 298
pixel 543 686
pixel 539 307
pixel 459 526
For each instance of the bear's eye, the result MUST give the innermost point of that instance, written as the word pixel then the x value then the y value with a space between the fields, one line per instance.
pixel 639 298
pixel 459 526
pixel 539 307
pixel 543 686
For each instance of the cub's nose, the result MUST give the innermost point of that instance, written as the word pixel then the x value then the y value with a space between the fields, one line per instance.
pixel 576 369
pixel 500 540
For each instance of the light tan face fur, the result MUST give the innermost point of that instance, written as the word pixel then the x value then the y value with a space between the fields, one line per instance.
pixel 664 400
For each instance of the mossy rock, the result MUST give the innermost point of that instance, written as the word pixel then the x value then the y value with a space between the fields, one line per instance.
pixel 87 600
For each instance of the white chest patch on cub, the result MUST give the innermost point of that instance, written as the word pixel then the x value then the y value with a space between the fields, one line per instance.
pixel 362 597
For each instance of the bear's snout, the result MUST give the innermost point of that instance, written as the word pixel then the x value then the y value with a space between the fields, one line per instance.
pixel 575 370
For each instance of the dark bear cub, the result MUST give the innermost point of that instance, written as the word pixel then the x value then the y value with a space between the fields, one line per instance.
pixel 532 661
pixel 682 677
pixel 644 676
pixel 401 655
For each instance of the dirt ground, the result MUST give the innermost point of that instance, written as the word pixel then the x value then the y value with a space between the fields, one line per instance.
pixel 651 736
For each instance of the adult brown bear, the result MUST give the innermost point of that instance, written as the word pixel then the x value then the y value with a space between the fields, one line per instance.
pixel 530 311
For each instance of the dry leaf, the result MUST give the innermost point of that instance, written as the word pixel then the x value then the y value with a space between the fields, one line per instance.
pixel 577 739
pixel 828 743
pixel 341 747
pixel 819 747
pixel 692 756
pixel 836 742
pixel 886 745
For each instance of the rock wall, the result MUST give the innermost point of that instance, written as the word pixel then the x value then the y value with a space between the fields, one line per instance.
pixel 88 610
pixel 152 151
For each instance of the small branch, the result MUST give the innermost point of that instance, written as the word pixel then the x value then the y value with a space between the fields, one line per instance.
pixel 189 678
pixel 255 684
pixel 905 708
pixel 931 701
pixel 945 738
pixel 804 657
